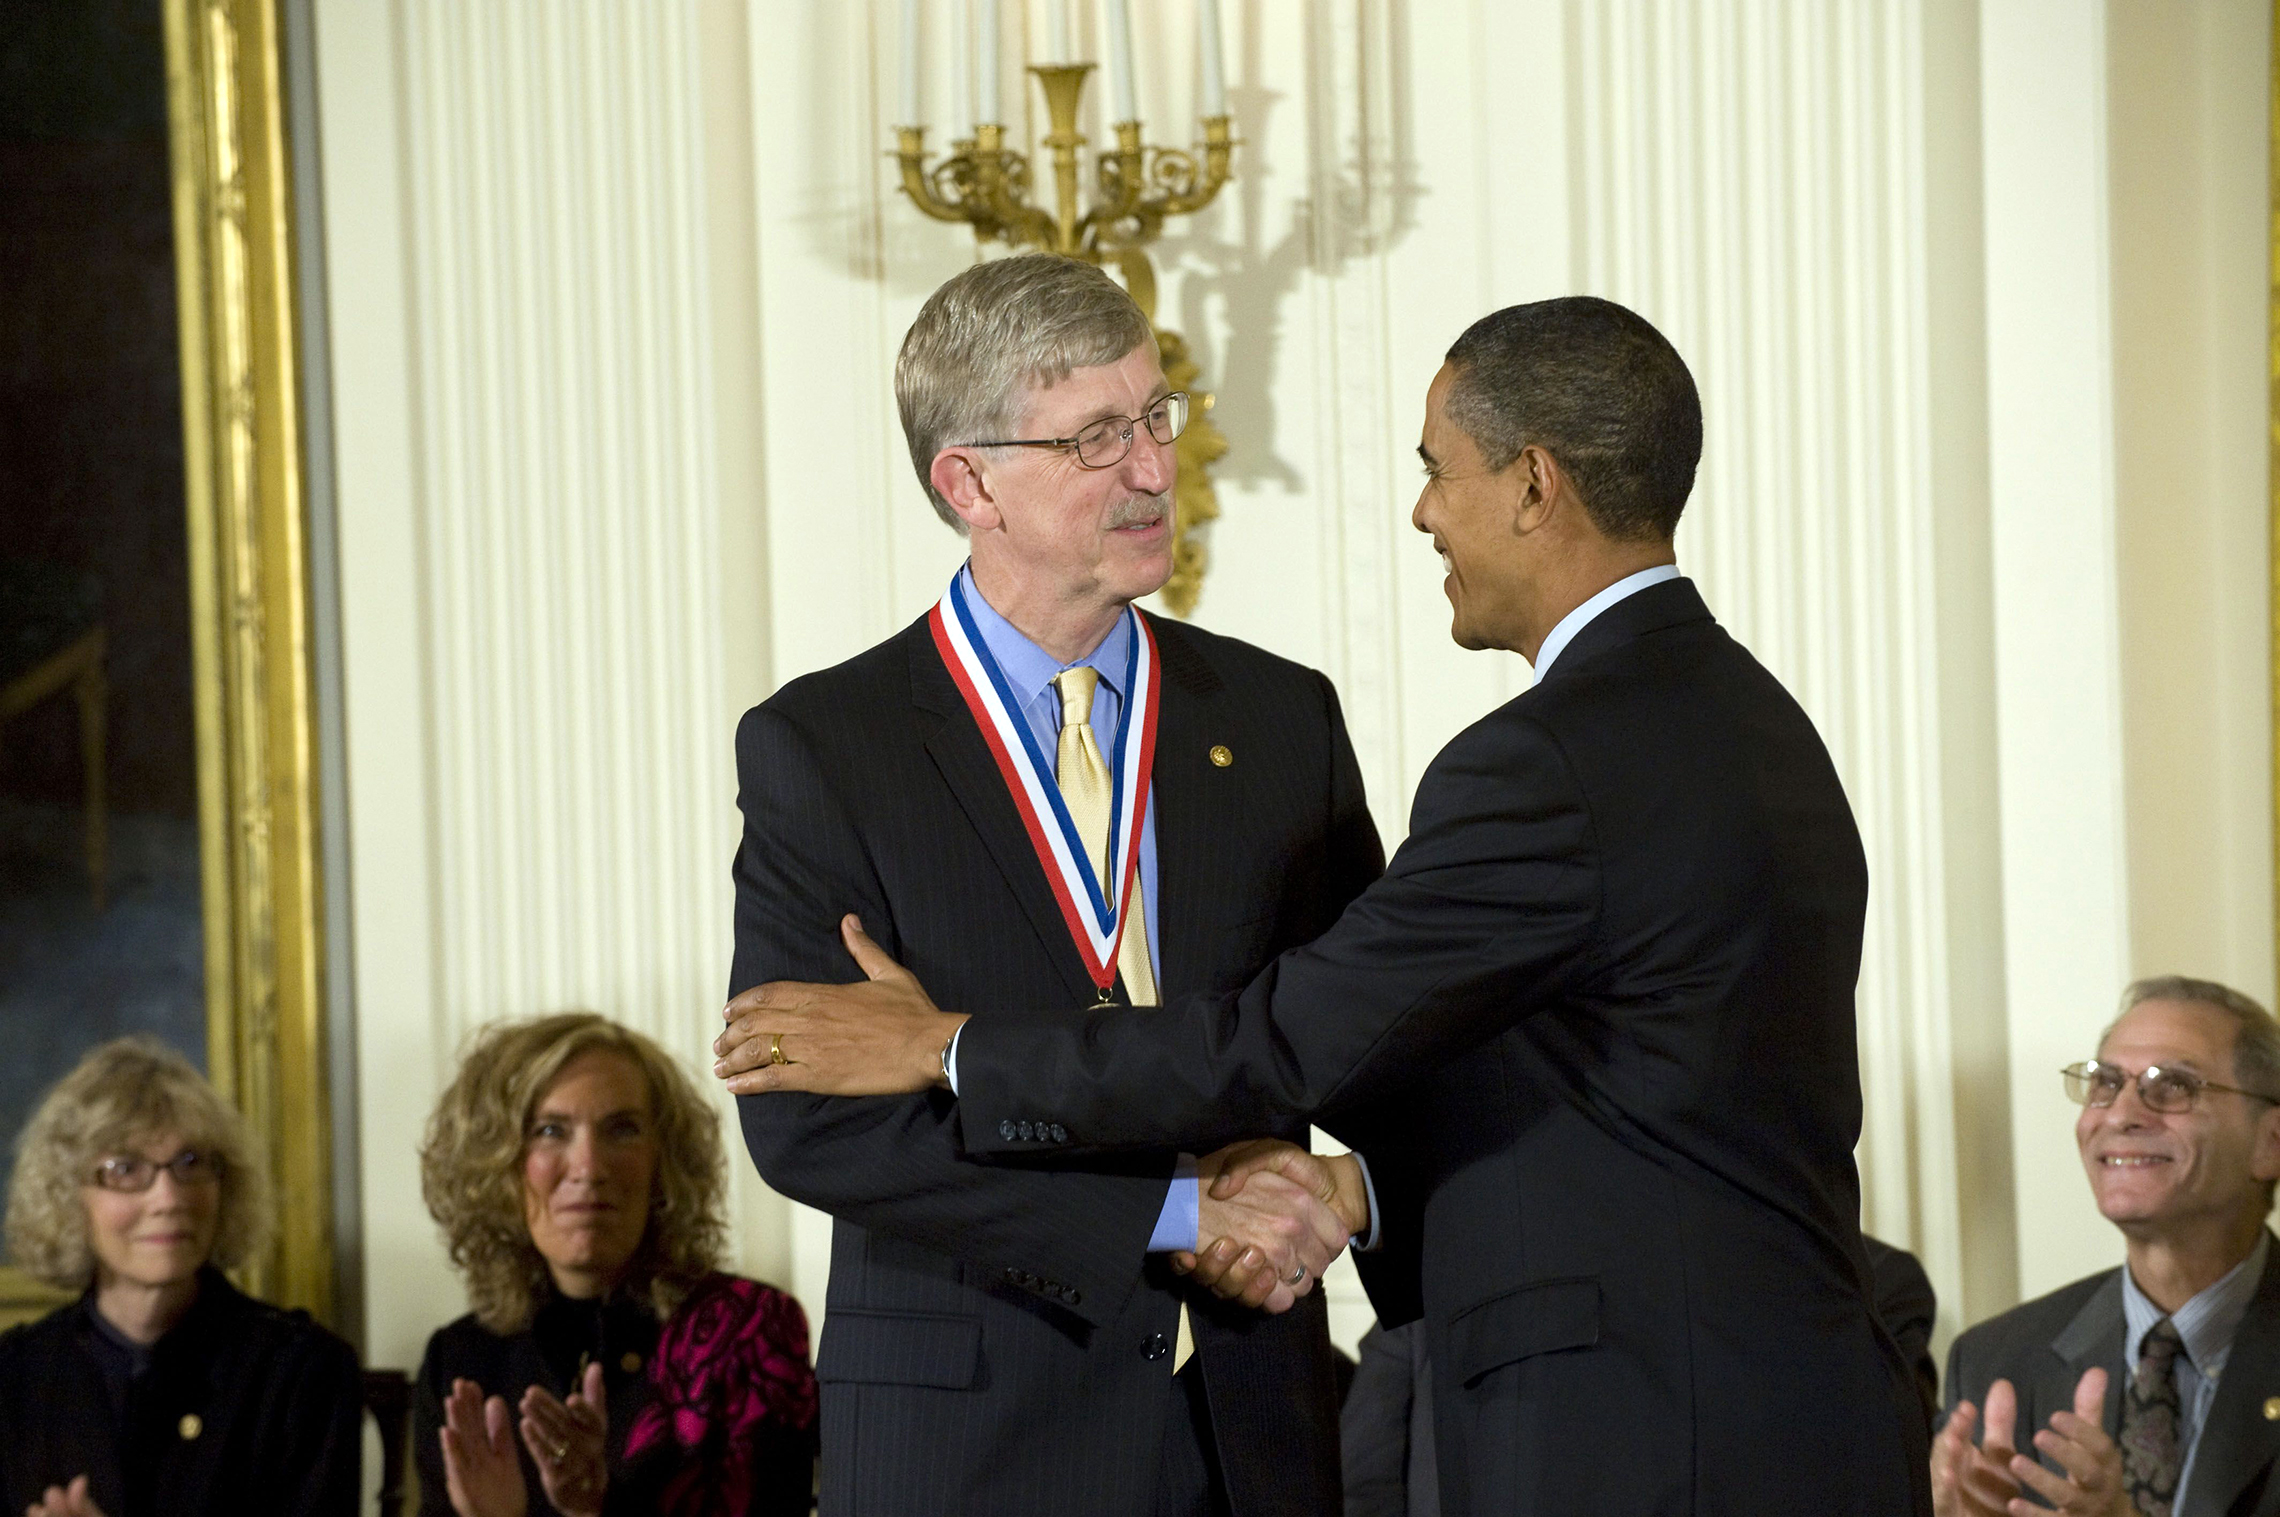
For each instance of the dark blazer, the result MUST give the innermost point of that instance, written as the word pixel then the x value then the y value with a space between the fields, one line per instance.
pixel 1385 1427
pixel 2044 1346
pixel 1594 1031
pixel 240 1397
pixel 1907 1307
pixel 996 1340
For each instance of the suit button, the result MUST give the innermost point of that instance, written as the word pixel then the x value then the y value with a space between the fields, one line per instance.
pixel 1072 1295
pixel 1005 1129
pixel 1155 1346
pixel 1060 1133
pixel 1028 1132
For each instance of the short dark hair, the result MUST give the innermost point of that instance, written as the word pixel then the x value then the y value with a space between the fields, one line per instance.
pixel 1596 386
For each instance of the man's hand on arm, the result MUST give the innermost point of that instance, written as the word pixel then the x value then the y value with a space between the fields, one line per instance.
pixel 1270 1209
pixel 880 1036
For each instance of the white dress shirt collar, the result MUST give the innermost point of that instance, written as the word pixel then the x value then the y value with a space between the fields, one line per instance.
pixel 1575 621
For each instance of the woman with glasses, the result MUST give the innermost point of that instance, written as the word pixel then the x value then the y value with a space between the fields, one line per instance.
pixel 162 1389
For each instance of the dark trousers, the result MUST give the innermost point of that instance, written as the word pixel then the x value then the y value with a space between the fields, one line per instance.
pixel 1188 1478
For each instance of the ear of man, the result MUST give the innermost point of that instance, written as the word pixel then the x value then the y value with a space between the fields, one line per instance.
pixel 2264 1158
pixel 1542 495
pixel 957 477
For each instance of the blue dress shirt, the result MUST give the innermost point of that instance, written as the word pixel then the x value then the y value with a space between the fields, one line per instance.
pixel 2207 1323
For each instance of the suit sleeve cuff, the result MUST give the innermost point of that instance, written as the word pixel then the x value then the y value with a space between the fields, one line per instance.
pixel 1368 1238
pixel 1180 1223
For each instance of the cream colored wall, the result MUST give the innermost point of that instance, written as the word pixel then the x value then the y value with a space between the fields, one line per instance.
pixel 2187 134
pixel 2125 174
pixel 615 296
pixel 540 507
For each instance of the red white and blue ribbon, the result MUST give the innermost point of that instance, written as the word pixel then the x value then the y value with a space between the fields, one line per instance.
pixel 1094 916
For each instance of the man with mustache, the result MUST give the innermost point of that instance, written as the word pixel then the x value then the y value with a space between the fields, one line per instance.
pixel 1037 794
pixel 2152 1390
pixel 1593 1027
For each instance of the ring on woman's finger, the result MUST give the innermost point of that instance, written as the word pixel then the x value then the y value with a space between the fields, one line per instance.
pixel 557 1451
pixel 776 1049
pixel 1298 1278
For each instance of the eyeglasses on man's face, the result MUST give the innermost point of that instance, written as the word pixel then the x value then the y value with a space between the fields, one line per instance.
pixel 2095 1083
pixel 1103 444
pixel 132 1173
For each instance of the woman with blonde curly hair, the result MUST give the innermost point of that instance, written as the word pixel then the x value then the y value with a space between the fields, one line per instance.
pixel 162 1388
pixel 608 1365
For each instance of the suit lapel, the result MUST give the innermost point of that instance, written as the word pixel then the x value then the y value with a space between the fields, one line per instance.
pixel 964 760
pixel 2241 1437
pixel 2092 1340
pixel 1197 807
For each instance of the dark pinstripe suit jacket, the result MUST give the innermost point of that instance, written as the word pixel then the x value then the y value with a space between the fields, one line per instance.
pixel 1594 1029
pixel 995 1339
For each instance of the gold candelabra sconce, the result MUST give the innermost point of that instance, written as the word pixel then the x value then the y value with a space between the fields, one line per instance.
pixel 990 188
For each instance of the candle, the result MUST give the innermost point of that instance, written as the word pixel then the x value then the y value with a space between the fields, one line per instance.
pixel 1057 31
pixel 1214 67
pixel 910 116
pixel 961 69
pixel 986 96
pixel 1121 94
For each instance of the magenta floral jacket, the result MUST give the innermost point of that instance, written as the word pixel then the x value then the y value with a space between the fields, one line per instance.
pixel 731 1430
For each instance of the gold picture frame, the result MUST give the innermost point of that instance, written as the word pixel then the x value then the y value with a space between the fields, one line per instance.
pixel 250 625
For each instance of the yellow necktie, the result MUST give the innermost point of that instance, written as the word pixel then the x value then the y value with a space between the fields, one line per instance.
pixel 1085 789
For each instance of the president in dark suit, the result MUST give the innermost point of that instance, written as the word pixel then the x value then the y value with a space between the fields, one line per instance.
pixel 2152 1390
pixel 1011 1338
pixel 1594 1027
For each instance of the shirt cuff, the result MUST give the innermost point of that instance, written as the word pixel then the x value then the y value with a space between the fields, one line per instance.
pixel 950 1068
pixel 1180 1223
pixel 1368 1238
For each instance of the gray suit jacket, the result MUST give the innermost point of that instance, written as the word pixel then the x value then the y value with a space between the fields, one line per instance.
pixel 2044 1346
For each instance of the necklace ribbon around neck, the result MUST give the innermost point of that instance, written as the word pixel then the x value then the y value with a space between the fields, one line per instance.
pixel 1094 917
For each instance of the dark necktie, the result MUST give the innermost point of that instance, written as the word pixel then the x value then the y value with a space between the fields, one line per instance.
pixel 2153 1448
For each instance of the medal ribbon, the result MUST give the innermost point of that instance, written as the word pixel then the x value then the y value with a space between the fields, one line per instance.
pixel 1095 920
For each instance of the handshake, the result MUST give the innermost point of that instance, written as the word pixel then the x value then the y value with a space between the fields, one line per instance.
pixel 1270 1217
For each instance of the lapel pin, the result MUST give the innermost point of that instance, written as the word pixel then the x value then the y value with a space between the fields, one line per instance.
pixel 190 1426
pixel 1221 756
pixel 2272 1409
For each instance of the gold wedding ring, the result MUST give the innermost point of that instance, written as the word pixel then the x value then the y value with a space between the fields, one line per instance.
pixel 776 1049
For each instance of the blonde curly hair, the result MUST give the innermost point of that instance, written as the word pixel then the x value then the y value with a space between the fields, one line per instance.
pixel 124 1094
pixel 471 1172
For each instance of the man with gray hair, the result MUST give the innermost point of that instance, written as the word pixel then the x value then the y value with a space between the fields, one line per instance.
pixel 2158 1380
pixel 1038 793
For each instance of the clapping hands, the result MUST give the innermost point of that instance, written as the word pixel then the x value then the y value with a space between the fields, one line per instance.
pixel 566 1440
pixel 65 1501
pixel 1985 1481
